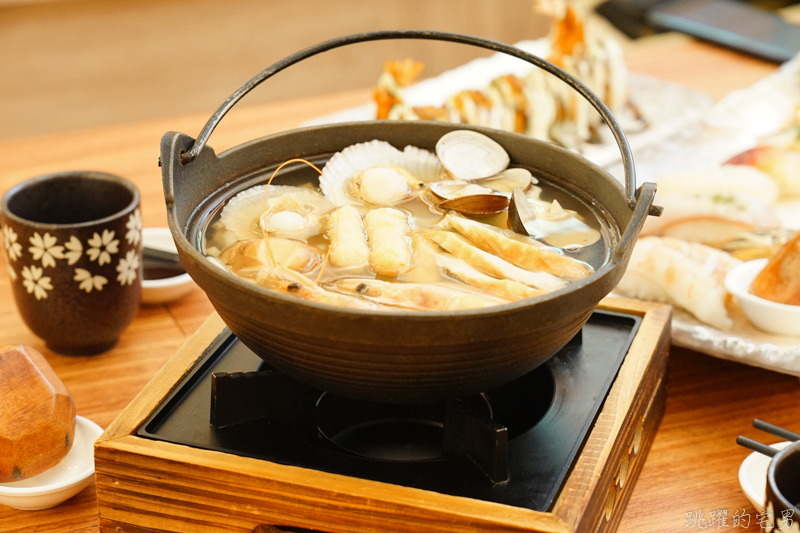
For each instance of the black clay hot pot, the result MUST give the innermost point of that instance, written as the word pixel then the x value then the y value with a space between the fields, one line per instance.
pixel 401 356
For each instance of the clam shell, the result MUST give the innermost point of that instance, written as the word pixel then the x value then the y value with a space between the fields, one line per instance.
pixel 469 155
pixel 337 173
pixel 242 215
pixel 499 184
pixel 549 222
pixel 476 205
pixel 507 180
pixel 450 189
pixel 520 214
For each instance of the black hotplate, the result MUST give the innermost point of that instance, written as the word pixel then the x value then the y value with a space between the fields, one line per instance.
pixel 540 421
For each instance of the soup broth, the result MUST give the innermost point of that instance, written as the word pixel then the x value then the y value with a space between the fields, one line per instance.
pixel 442 257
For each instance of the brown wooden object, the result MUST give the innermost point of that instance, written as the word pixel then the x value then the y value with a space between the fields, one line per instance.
pixel 37 414
pixel 145 485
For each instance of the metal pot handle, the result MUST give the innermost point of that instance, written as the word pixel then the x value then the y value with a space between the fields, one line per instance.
pixel 616 130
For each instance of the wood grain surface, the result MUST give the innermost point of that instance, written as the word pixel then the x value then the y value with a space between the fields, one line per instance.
pixel 62 67
pixel 160 486
pixel 693 462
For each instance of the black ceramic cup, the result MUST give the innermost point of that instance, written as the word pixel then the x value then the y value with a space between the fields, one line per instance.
pixel 73 243
pixel 782 509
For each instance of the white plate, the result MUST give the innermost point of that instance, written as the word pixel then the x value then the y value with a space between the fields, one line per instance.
pixel 747 345
pixel 772 317
pixel 753 476
pixel 70 476
pixel 161 291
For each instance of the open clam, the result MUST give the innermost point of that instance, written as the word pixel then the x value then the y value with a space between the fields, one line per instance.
pixel 469 155
pixel 520 214
pixel 481 183
pixel 449 189
pixel 507 180
pixel 476 205
pixel 549 222
pixel 501 183
pixel 468 198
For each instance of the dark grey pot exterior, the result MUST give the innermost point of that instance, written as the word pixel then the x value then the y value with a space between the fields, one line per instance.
pixel 402 356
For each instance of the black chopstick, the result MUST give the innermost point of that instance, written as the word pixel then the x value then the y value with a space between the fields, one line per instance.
pixel 756 446
pixel 775 430
pixel 163 256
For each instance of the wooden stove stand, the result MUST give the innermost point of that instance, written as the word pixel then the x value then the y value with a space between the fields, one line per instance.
pixel 146 486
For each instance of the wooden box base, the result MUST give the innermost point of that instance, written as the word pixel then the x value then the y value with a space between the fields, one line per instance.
pixel 151 486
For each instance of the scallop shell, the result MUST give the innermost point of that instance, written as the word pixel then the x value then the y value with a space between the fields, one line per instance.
pixel 243 214
pixel 469 155
pixel 337 173
pixel 248 259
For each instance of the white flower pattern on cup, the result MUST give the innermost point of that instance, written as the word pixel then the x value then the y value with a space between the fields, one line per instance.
pixel 127 268
pixel 134 226
pixel 787 522
pixel 102 247
pixel 13 248
pixel 36 283
pixel 75 250
pixel 786 528
pixel 88 281
pixel 45 248
pixel 99 248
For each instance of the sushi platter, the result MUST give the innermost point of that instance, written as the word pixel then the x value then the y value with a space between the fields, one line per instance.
pixel 757 119
pixel 666 107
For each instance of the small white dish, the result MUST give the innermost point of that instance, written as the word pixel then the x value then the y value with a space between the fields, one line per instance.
pixel 753 476
pixel 772 317
pixel 164 290
pixel 70 476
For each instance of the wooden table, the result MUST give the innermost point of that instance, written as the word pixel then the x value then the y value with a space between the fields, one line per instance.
pixel 694 460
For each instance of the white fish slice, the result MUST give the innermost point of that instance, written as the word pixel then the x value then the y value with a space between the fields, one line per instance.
pixel 493 265
pixel 531 256
pixel 504 288
pixel 420 296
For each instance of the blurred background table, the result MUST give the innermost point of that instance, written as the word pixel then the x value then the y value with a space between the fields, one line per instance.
pixel 694 460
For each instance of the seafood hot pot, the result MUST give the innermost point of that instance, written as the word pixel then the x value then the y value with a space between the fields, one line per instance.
pixel 399 356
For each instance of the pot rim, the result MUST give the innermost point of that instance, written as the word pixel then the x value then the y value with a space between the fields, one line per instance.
pixel 640 210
